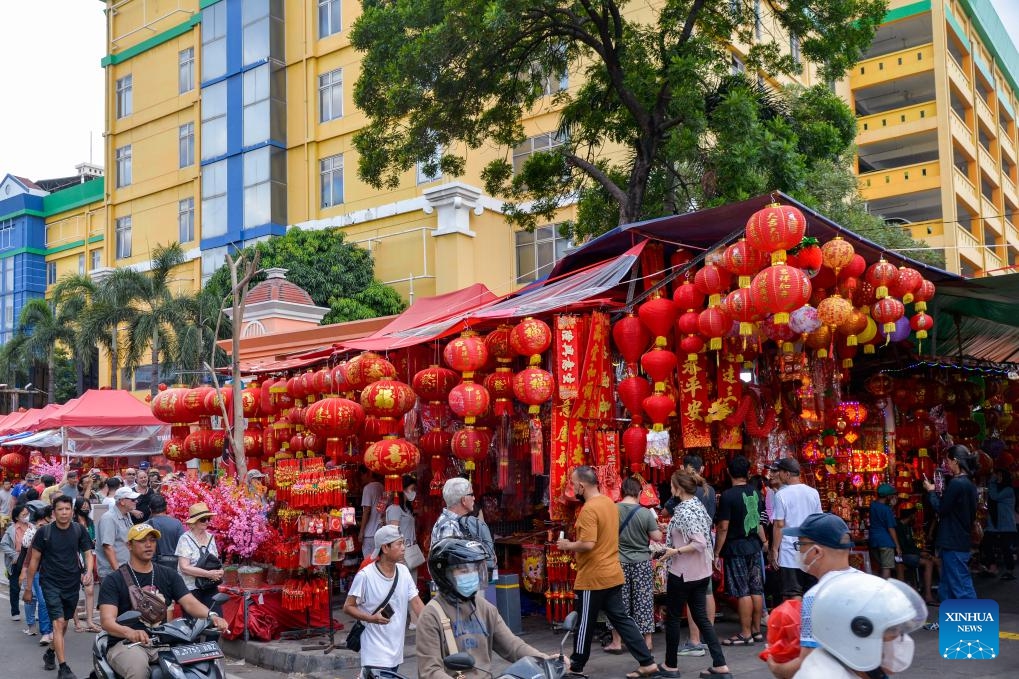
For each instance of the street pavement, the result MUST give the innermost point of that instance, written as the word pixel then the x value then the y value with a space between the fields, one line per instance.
pixel 21 656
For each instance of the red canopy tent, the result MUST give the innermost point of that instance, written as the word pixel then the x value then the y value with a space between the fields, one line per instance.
pixel 30 420
pixel 101 407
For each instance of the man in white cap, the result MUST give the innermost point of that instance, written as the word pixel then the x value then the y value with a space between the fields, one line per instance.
pixel 380 596
pixel 111 532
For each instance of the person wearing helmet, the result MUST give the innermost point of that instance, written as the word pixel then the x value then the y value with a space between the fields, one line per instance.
pixel 862 623
pixel 458 616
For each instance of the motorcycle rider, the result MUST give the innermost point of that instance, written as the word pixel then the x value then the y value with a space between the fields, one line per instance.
pixel 458 568
pixel 133 660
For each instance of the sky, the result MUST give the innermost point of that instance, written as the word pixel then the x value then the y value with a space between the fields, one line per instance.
pixel 52 116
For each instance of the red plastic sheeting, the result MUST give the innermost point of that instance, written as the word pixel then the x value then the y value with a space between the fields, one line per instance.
pixel 102 407
pixel 30 420
pixel 268 606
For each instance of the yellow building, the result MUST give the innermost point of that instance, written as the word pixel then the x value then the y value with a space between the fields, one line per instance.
pixel 936 97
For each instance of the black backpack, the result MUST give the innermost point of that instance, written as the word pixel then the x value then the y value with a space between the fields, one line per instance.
pixel 474 528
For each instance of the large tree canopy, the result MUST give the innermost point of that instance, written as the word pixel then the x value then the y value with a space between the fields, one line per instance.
pixel 335 273
pixel 441 78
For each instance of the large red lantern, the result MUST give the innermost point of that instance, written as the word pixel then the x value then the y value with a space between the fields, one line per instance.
pixel 687 297
pixel 921 323
pixel 466 354
pixel 217 402
pixel 713 324
pixel 739 306
pixel 265 404
pixel 632 392
pixel 744 261
pixel 168 406
pixel 388 399
pixel 658 314
pixel 498 344
pixel 533 386
pixel 14 463
pixel 834 311
pixel 531 337
pixel 712 281
pixel 322 382
pixel 658 408
pixel 659 365
pixel 434 383
pixel 887 311
pixel 435 442
pixel 635 446
pixel 500 388
pixel 907 283
pixel 631 338
pixel 469 400
pixel 392 457
pixel 174 450
pixel 471 446
pixel 334 419
pixel 366 368
pixel 251 398
pixel 923 294
pixel 775 229
pixel 881 274
pixel 253 442
pixel 779 290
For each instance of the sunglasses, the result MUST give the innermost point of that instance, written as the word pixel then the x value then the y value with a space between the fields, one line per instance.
pixel 204 519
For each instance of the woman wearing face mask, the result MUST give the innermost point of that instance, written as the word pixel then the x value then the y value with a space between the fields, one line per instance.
pixel 39 516
pixel 862 624
pixel 401 515
pixel 11 547
pixel 82 509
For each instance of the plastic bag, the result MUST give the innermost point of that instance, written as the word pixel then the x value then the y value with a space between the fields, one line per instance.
pixel 783 632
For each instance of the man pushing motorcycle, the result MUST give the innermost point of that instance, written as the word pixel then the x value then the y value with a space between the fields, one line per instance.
pixel 150 588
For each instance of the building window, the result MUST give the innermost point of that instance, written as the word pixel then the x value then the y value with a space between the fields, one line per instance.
pixel 8 275
pixel 423 174
pixel 328 17
pixel 97 258
pixel 214 200
pixel 538 251
pixel 541 142
pixel 330 95
pixel 758 23
pixel 738 66
pixel 186 220
pixel 81 264
pixel 123 157
pixel 123 234
pixel 794 48
pixel 9 312
pixel 331 170
pixel 6 234
pixel 51 273
pixel 264 187
pixel 255 31
pixel 124 99
pixel 214 121
pixel 256 105
pixel 213 41
pixel 186 70
pixel 187 145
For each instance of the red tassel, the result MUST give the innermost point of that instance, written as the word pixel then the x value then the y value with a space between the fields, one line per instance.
pixel 537 445
pixel 394 484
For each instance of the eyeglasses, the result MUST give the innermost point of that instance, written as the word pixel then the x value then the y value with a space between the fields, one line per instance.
pixel 204 519
pixel 802 543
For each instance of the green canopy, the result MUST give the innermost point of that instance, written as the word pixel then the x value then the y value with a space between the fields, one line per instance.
pixel 976 318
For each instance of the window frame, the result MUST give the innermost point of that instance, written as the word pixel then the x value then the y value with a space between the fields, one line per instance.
pixel 186 211
pixel 51 272
pixel 335 163
pixel 186 70
pixel 95 258
pixel 125 96
pixel 186 145
pixel 123 161
pixel 559 246
pixel 122 237
pixel 554 141
pixel 327 91
pixel 325 32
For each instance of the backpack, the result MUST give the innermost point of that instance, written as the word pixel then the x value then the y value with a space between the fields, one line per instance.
pixel 475 529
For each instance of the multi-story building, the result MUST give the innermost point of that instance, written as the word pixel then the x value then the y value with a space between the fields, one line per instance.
pixel 937 96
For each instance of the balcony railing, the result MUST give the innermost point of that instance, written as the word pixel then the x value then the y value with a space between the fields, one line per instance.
pixel 1009 189
pixel 991 215
pixel 1007 147
pixel 900 180
pixel 984 113
pixel 988 164
pixel 1011 234
pixel 893 66
pixel 965 190
pixel 897 117
pixel 992 262
pixel 966 239
pixel 959 77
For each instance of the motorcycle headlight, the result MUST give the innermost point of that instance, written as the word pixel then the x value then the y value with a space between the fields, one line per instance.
pixel 176 671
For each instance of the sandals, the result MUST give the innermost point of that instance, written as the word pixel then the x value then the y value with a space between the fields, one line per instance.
pixel 757 637
pixel 738 640
pixel 79 627
pixel 93 628
pixel 614 651
pixel 658 671
pixel 712 673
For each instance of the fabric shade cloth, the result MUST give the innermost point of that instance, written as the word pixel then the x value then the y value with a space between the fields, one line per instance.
pixel 30 420
pixel 101 407
pixel 43 439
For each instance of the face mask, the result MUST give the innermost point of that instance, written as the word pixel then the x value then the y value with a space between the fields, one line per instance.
pixel 82 512
pixel 410 495
pixel 467 584
pixel 579 494
pixel 897 654
pixel 801 561
pixel 24 519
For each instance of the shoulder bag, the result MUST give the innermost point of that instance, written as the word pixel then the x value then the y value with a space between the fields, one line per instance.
pixel 207 561
pixel 447 629
pixel 357 629
pixel 149 604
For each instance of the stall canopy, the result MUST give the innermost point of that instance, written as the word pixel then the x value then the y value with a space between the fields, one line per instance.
pixel 109 407
pixel 977 319
pixel 30 420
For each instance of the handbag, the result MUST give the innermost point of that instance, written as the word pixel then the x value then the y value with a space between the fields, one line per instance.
pixel 149 604
pixel 207 561
pixel 413 556
pixel 353 642
pixel 660 582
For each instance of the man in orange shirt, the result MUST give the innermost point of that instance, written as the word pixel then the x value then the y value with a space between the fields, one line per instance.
pixel 599 581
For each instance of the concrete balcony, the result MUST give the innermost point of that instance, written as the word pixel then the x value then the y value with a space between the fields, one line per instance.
pixel 964 189
pixel 896 123
pixel 959 78
pixel 1009 189
pixel 988 164
pixel 992 262
pixel 1007 147
pixel 900 180
pixel 961 133
pixel 985 115
pixel 892 66
pixel 969 246
pixel 1011 234
pixel 991 216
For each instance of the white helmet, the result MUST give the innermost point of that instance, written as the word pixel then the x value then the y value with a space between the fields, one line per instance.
pixel 852 614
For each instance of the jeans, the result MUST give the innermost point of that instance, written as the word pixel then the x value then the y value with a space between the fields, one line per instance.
pixel 592 601
pixel 38 609
pixel 15 585
pixel 956 580
pixel 680 593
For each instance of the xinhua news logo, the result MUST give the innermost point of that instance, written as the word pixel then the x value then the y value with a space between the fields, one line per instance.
pixel 968 629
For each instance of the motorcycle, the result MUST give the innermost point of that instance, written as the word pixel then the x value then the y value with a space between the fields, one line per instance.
pixel 525 668
pixel 187 649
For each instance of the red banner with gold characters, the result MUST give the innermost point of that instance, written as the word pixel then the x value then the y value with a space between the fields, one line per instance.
pixel 596 390
pixel 694 403
pixel 730 391
pixel 567 356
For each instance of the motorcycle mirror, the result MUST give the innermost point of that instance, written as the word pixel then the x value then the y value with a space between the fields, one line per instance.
pixel 129 617
pixel 570 623
pixel 458 662
pixel 221 598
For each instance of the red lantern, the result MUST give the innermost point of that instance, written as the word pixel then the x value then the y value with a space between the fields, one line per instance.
pixel 313 443
pixel 837 254
pixel 392 457
pixel 834 311
pixel 712 281
pixel 531 337
pixel 739 306
pixel 687 297
pixel 215 403
pixel 434 383
pixel 630 337
pixel 466 354
pixel 632 392
pixel 500 388
pixel 854 412
pixel 366 368
pixel 265 404
pixel 635 446
pixel 921 323
pixel 780 289
pixel 334 419
pixel 744 261
pixel 322 382
pixel 168 406
pixel 659 365
pixel 658 314
pixel 174 450
pixel 713 324
pixel 907 283
pixel 435 442
pixel 196 445
pixel 251 398
pixel 887 311
pixel 498 344
pixel 471 446
pixel 469 400
pixel 923 294
pixel 533 386
pixel 658 408
pixel 691 345
pixel 882 274
pixel 341 381
pixel 775 229
pixel 687 323
pixel 853 326
pixel 14 463
pixel 387 398
pixel 808 257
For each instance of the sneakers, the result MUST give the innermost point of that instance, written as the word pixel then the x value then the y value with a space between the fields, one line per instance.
pixel 45 639
pixel 692 650
pixel 65 673
pixel 29 631
pixel 49 660
pixel 932 627
pixel 16 617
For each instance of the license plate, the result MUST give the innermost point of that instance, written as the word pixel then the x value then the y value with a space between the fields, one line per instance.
pixel 193 653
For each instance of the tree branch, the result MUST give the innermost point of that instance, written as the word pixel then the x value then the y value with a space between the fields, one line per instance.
pixel 596 174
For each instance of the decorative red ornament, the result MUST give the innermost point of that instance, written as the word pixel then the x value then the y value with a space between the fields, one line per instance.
pixel 687 297
pixel 265 404
pixel 775 229
pixel 923 294
pixel 744 261
pixel 739 306
pixel 658 314
pixel 691 345
pixel 881 274
pixel 533 386
pixel 334 419
pixel 713 324
pixel 471 446
pixel 854 412
pixel 392 457
pixel 631 338
pixel 635 446
pixel 435 442
pixel 906 284
pixel 434 383
pixel 834 311
pixel 469 400
pixel 837 254
pixel 712 281
pixel 808 258
pixel 658 408
pixel 168 406
pixel 174 450
pixel 856 267
pixel 632 392
pixel 780 289
pixel 500 388
pixel 366 368
pixel 253 441
pixel 498 344
pixel 251 398
pixel 466 354
pixel 14 463
pixel 887 311
pixel 531 337
pixel 341 381
pixel 388 399
pixel 921 323
pixel 216 403
pixel 659 364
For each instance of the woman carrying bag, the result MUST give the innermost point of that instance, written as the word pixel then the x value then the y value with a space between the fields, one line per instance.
pixel 401 515
pixel 11 546
pixel 197 555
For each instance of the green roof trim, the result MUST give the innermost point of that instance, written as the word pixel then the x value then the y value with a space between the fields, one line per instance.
pixel 207 3
pixel 996 39
pixel 984 68
pixel 957 27
pixel 907 11
pixel 75 244
pixel 156 40
pixel 73 196
pixel 22 251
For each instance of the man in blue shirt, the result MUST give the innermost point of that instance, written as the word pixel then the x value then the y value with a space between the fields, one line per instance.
pixel 883 541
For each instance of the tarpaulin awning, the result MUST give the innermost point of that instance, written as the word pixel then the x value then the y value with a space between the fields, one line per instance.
pixel 50 438
pixel 10 425
pixel 977 318
pixel 101 407
pixel 30 421
pixel 295 362
pixel 10 417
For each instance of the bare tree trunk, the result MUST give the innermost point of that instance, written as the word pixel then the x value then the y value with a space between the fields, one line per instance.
pixel 114 360
pixel 154 384
pixel 51 378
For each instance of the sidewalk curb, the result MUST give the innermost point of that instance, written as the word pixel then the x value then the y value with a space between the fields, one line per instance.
pixel 287 656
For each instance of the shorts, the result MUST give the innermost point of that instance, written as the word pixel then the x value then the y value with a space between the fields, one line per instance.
pixel 911 560
pixel 795 582
pixel 61 604
pixel 882 557
pixel 743 575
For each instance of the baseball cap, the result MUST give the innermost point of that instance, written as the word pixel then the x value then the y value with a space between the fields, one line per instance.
pixel 255 474
pixel 885 489
pixel 385 536
pixel 825 529
pixel 125 493
pixel 141 531
pixel 786 464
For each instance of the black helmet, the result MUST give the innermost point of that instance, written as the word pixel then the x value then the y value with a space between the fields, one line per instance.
pixel 446 555
pixel 37 509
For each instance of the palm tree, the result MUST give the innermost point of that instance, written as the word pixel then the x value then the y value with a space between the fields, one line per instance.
pixel 196 337
pixel 71 297
pixel 110 308
pixel 42 330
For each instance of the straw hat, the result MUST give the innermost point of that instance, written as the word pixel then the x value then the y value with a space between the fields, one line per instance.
pixel 199 510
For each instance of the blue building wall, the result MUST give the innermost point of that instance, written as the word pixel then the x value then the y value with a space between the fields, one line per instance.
pixel 22 258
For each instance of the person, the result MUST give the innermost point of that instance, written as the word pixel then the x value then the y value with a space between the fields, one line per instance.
pixel 253 486
pixel 956 510
pixel 739 542
pixel 637 527
pixel 862 626
pixel 458 568
pixel 86 488
pixel 11 547
pixel 912 557
pixel 694 464
pixel 458 495
pixel 373 506
pixel 50 488
pixel 141 511
pixel 21 486
pixel 70 485
pixel 822 543
pixel 130 476
pixel 793 502
pixel 62 556
pixel 83 516
pixel 6 504
pixel 109 493
pixel 111 532
pixel 1001 525
pixel 689 550
pixel 382 642
pixel 599 581
pixel 35 606
pixel 401 515
pixel 128 652
pixel 192 546
pixel 883 540
pixel 170 529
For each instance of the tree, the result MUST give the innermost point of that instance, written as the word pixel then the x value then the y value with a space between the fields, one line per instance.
pixel 459 74
pixel 335 273
pixel 43 331
pixel 71 297
pixel 201 320
pixel 108 310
